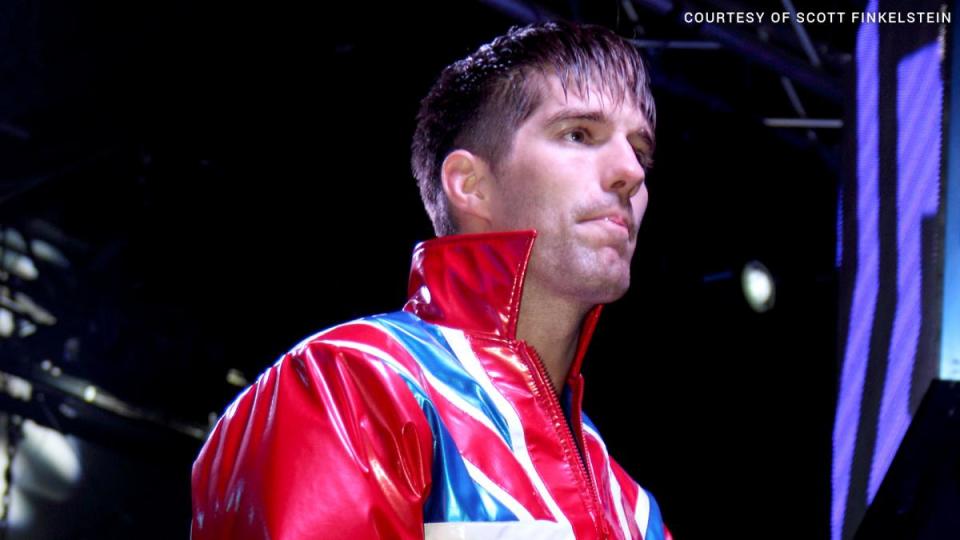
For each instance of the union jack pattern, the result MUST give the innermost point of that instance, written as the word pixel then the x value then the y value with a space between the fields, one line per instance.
pixel 485 480
pixel 432 422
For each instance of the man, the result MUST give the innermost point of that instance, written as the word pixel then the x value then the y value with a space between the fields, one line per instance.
pixel 459 416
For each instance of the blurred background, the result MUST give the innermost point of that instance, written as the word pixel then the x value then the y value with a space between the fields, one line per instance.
pixel 188 189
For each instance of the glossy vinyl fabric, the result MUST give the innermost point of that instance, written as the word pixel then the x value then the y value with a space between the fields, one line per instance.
pixel 430 422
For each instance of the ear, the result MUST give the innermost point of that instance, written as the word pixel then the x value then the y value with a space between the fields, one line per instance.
pixel 466 178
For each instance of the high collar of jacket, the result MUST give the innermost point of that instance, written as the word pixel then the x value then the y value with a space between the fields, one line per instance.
pixel 474 282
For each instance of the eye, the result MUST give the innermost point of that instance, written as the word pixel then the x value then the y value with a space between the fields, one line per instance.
pixel 644 159
pixel 578 135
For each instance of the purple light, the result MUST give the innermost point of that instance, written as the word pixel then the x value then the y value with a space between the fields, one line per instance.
pixel 919 102
pixel 866 283
pixel 838 260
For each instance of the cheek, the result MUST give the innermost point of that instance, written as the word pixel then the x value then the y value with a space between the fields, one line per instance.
pixel 525 188
pixel 639 202
pixel 516 207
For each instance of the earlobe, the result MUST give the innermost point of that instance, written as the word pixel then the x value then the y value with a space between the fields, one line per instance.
pixel 464 178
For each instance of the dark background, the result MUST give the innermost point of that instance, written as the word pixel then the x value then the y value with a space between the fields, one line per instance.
pixel 223 191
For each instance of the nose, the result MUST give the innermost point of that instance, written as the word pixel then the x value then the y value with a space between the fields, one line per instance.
pixel 623 173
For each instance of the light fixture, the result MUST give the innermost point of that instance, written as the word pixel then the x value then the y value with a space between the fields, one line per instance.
pixel 758 286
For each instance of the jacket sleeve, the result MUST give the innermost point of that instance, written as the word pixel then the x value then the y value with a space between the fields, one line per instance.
pixel 327 443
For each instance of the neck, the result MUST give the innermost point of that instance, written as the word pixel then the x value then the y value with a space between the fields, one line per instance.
pixel 551 325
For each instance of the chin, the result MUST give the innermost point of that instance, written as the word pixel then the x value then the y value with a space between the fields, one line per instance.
pixel 606 288
pixel 590 274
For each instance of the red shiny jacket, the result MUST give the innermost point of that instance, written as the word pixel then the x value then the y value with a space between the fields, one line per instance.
pixel 431 422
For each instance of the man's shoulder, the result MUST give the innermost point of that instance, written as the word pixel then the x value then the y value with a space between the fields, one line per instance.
pixel 383 331
pixel 363 358
pixel 399 340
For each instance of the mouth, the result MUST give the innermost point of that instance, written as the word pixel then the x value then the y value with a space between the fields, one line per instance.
pixel 615 224
pixel 616 220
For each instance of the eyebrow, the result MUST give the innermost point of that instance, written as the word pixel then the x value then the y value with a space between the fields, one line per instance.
pixel 591 115
pixel 564 115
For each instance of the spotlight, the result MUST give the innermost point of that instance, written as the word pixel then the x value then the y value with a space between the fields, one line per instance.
pixel 236 378
pixel 47 464
pixel 758 287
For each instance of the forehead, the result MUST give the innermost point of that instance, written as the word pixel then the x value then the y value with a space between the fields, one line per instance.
pixel 556 97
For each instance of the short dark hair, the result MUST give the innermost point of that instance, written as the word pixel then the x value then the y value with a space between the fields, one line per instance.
pixel 479 102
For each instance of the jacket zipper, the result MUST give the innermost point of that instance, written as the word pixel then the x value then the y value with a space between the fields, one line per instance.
pixel 555 410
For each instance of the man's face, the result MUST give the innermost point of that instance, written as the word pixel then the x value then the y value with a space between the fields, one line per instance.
pixel 574 174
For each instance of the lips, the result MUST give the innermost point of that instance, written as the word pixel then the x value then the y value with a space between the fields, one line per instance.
pixel 619 220
pixel 615 218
